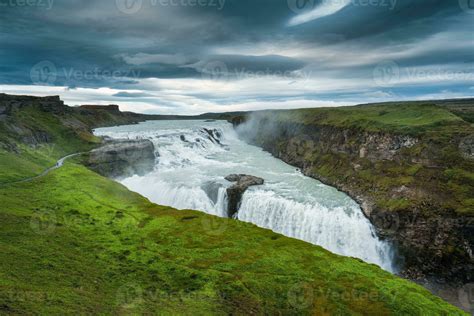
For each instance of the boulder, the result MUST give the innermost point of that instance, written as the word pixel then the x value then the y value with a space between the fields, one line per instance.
pixel 123 158
pixel 236 191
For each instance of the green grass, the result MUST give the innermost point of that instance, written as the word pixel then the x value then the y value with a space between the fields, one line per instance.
pixel 410 118
pixel 28 164
pixel 74 242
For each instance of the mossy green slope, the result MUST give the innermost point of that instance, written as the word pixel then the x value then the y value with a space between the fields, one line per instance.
pixel 404 117
pixel 74 242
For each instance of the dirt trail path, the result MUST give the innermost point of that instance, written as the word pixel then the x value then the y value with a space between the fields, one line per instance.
pixel 58 165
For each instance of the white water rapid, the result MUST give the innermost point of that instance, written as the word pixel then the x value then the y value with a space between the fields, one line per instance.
pixel 189 174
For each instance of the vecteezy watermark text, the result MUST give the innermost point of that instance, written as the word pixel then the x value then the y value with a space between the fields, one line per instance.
pixel 300 6
pixel 133 6
pixel 47 73
pixel 391 223
pixel 46 221
pixel 217 70
pixel 389 73
pixel 134 294
pixel 47 4
pixel 303 295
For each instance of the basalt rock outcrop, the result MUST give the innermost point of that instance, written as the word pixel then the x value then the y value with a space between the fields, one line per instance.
pixel 111 107
pixel 236 191
pixel 11 103
pixel 23 130
pixel 123 158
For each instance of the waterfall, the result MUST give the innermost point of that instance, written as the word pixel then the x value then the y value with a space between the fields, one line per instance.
pixel 179 196
pixel 343 230
pixel 195 156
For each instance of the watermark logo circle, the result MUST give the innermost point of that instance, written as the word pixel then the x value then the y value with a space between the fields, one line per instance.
pixel 466 296
pixel 43 222
pixel 215 70
pixel 129 6
pixel 130 294
pixel 386 73
pixel 213 225
pixel 44 73
pixel 387 222
pixel 467 6
pixel 299 6
pixel 301 295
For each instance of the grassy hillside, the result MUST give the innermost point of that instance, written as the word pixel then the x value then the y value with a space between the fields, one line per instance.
pixel 405 117
pixel 73 242
pixel 24 156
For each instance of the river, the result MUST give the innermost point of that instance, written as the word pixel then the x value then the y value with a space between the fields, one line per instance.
pixel 189 174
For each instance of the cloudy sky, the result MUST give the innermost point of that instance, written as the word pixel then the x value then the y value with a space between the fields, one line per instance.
pixel 195 56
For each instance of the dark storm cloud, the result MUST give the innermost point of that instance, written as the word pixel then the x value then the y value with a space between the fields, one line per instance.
pixel 402 19
pixel 100 44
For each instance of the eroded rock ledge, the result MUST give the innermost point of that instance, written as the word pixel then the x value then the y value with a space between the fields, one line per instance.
pixel 236 191
pixel 123 158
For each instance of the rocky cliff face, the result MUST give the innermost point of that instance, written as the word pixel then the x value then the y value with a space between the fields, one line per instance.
pixel 399 180
pixel 123 158
pixel 111 107
pixel 11 103
pixel 17 126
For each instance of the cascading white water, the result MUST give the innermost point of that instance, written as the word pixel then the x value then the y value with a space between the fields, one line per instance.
pixel 195 156
pixel 342 229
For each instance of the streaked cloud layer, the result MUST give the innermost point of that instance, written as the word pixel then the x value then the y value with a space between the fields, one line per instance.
pixel 194 56
pixel 320 10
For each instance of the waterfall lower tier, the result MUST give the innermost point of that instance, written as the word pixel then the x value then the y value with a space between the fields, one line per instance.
pixel 342 230
pixel 180 197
